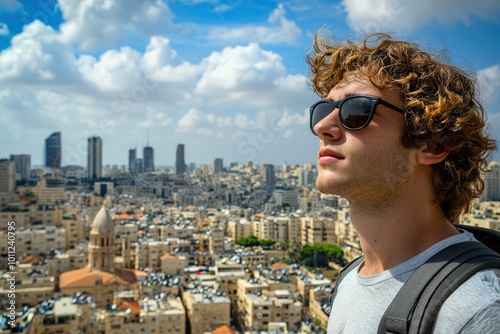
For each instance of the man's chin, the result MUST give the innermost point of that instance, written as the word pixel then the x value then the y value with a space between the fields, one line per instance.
pixel 327 183
pixel 326 187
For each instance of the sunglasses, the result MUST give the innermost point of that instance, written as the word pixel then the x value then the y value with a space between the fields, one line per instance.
pixel 355 111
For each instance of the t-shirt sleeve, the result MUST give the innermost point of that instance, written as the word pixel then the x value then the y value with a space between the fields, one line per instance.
pixel 487 320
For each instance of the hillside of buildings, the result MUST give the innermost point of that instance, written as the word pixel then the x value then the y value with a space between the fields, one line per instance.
pixel 243 249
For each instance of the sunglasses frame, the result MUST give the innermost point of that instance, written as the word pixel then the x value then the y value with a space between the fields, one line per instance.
pixel 375 101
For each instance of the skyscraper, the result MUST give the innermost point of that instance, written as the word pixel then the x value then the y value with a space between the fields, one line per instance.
pixel 218 165
pixel 139 166
pixel 148 159
pixel 94 158
pixel 23 165
pixel 269 175
pixel 132 163
pixel 492 182
pixel 180 164
pixel 53 150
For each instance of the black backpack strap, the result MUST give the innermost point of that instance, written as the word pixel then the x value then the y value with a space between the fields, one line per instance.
pixel 487 236
pixel 343 273
pixel 416 305
pixel 430 304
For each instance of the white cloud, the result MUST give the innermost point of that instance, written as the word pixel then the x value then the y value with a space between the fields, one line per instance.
pixel 247 135
pixel 279 31
pixel 115 71
pixel 396 15
pixel 234 70
pixel 155 118
pixel 159 53
pixel 10 5
pixel 92 23
pixel 234 100
pixel 37 55
pixel 4 29
pixel 489 82
pixel 249 77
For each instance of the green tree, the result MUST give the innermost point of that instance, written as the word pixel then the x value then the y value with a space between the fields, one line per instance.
pixel 267 243
pixel 294 251
pixel 251 241
pixel 320 254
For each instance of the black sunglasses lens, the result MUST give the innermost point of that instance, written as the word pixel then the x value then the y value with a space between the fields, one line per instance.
pixel 355 112
pixel 320 111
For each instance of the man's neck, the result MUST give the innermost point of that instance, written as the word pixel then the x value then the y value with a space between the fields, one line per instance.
pixel 397 232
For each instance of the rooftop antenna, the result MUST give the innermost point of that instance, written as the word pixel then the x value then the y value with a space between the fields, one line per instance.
pixel 147 138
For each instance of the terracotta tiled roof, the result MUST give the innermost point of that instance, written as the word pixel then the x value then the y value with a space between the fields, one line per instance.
pixel 224 329
pixel 167 257
pixel 86 277
pixel 132 305
pixel 130 275
pixel 122 216
pixel 30 259
pixel 279 265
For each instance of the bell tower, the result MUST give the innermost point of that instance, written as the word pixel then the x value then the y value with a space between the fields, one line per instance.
pixel 102 242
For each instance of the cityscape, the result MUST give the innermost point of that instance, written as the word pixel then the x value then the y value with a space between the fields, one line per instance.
pixel 157 168
pixel 141 249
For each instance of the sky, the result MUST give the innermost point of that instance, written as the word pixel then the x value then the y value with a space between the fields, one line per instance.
pixel 226 78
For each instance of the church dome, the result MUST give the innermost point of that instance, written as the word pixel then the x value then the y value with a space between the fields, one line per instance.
pixel 102 224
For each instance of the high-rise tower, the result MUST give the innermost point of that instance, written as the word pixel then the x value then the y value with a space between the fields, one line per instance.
pixel 132 161
pixel 269 175
pixel 23 165
pixel 94 158
pixel 148 159
pixel 180 164
pixel 218 165
pixel 53 151
pixel 492 182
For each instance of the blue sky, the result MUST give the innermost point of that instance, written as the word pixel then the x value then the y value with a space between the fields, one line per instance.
pixel 226 78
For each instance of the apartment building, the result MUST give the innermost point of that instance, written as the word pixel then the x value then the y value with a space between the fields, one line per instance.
pixel 305 283
pixel 260 310
pixel 173 264
pixel 240 228
pixel 35 240
pixel 207 308
pixel 29 291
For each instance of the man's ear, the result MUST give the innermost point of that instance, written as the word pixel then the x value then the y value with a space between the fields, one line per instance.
pixel 430 154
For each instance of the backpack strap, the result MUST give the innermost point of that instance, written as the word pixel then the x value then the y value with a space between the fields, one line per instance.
pixel 415 307
pixel 343 273
pixel 487 236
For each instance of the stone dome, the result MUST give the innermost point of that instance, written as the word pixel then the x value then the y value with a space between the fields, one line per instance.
pixel 102 224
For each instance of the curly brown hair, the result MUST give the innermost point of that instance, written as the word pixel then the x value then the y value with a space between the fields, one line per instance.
pixel 442 108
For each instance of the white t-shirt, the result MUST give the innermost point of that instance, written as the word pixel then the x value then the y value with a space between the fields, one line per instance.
pixel 361 301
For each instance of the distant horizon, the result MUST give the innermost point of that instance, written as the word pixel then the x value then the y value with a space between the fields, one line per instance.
pixel 228 79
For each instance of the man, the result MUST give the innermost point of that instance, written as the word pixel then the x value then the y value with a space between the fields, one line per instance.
pixel 402 138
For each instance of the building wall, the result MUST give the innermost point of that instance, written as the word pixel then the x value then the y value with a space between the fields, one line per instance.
pixel 174 265
pixel 206 315
pixel 7 176
pixel 35 241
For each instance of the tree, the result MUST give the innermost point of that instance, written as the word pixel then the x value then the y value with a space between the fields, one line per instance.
pixel 294 251
pixel 320 254
pixel 248 242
